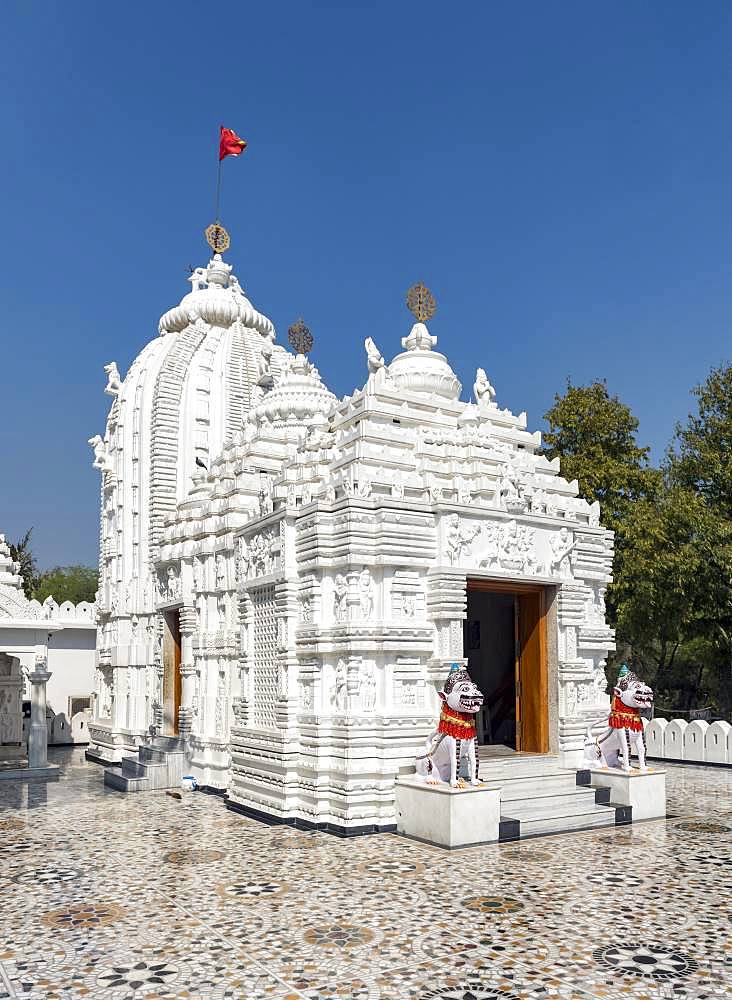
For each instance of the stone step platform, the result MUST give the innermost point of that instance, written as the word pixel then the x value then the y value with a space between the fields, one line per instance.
pixel 539 797
pixel 160 763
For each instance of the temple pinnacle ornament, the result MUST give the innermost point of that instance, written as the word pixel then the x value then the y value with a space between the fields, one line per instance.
pixel 300 337
pixel 421 302
pixel 217 238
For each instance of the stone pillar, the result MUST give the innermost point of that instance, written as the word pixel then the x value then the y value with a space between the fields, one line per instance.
pixel 187 620
pixel 38 735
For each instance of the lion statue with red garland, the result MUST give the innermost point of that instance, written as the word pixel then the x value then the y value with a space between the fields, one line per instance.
pixel 454 743
pixel 632 701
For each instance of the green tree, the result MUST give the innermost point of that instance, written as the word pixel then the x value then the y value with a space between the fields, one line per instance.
pixel 594 436
pixel 68 583
pixel 673 598
pixel 701 456
pixel 700 460
pixel 22 553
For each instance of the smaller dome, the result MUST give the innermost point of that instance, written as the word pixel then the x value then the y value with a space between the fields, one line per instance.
pixel 299 397
pixel 217 298
pixel 420 369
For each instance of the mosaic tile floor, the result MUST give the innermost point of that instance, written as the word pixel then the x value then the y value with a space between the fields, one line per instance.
pixel 112 896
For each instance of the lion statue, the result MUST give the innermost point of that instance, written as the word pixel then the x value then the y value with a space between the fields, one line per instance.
pixel 632 701
pixel 454 742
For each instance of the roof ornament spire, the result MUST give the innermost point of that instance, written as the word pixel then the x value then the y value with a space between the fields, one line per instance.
pixel 217 238
pixel 421 303
pixel 300 337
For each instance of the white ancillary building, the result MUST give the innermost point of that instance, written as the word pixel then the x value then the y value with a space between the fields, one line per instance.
pixel 182 400
pixel 46 657
pixel 319 579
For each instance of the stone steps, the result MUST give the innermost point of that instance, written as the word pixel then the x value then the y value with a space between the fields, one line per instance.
pixel 599 816
pixel 539 797
pixel 113 778
pixel 160 763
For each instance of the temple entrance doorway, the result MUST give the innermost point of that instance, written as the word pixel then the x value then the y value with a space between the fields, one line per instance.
pixel 504 641
pixel 171 672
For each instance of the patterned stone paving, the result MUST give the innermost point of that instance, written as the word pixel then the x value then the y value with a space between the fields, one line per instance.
pixel 144 897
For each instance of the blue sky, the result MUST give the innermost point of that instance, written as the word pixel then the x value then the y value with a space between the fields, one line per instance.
pixel 558 173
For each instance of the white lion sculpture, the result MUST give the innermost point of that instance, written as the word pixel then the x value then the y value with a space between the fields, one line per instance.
pixel 632 699
pixel 102 458
pixel 454 741
pixel 114 382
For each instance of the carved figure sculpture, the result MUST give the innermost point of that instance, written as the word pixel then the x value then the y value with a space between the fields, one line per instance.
pixel 366 588
pixel 340 598
pixel 368 688
pixel 264 361
pixel 632 699
pixel 102 460
pixel 482 389
pixel 458 539
pixel 374 356
pixel 340 687
pixel 510 490
pixel 561 545
pixel 114 382
pixel 454 741
pixel 220 564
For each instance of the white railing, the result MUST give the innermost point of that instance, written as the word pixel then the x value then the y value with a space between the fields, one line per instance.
pixel 697 741
pixel 81 612
pixel 63 731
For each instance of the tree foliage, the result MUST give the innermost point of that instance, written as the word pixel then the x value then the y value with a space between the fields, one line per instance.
pixel 671 599
pixel 22 553
pixel 68 583
pixel 701 456
pixel 594 436
pixel 674 599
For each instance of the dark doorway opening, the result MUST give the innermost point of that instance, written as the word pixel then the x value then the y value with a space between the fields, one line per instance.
pixel 504 641
pixel 489 643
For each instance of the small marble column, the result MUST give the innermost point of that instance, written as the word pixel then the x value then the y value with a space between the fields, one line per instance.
pixel 38 735
pixel 187 619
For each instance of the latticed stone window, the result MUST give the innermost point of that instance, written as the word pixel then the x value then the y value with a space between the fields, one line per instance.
pixel 265 661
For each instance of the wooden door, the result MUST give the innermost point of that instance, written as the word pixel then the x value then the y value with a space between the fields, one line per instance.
pixel 532 704
pixel 171 674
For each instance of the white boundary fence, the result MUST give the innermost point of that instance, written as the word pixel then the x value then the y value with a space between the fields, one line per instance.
pixel 697 741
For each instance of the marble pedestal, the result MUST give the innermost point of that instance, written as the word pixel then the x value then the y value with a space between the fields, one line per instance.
pixel 645 791
pixel 448 817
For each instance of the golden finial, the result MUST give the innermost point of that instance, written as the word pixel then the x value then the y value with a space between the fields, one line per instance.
pixel 301 339
pixel 421 302
pixel 217 238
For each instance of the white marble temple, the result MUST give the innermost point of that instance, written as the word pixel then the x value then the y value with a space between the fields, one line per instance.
pixel 299 562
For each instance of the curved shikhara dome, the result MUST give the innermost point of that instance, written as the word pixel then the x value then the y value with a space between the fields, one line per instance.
pixel 184 397
pixel 217 298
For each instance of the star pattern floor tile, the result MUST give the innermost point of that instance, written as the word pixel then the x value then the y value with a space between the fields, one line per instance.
pixel 107 896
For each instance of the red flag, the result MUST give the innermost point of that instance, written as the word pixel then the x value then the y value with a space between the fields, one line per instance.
pixel 230 144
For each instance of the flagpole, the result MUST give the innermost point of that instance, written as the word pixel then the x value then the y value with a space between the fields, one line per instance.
pixel 218 191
